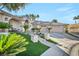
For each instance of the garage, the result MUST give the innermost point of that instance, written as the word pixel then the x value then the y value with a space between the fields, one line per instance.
pixel 57 28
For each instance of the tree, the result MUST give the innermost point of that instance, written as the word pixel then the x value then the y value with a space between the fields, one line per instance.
pixel 54 20
pixel 31 18
pixel 76 18
pixel 12 6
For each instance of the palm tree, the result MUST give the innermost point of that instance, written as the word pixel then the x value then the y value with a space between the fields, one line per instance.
pixel 31 18
pixel 76 18
pixel 12 6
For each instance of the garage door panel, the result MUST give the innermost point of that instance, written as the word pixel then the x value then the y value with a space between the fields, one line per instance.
pixel 57 29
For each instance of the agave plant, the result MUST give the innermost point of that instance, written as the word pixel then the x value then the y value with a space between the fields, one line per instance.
pixel 12 44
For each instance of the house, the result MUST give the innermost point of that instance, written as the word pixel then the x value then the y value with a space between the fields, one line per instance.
pixel 4 16
pixel 57 27
pixel 16 21
pixel 49 26
pixel 73 28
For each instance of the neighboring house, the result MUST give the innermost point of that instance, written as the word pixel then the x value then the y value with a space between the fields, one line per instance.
pixel 54 27
pixel 16 21
pixel 57 27
pixel 4 16
pixel 73 28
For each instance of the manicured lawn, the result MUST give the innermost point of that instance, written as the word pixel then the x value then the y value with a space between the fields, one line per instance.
pixel 33 49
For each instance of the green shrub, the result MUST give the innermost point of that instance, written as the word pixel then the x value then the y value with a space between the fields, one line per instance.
pixel 12 44
pixel 26 27
pixel 4 25
pixel 36 29
pixel 41 35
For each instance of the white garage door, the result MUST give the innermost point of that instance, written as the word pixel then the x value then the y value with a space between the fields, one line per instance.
pixel 57 29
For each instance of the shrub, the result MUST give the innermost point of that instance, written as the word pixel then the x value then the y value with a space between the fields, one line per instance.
pixel 41 35
pixel 36 29
pixel 4 25
pixel 12 44
pixel 26 27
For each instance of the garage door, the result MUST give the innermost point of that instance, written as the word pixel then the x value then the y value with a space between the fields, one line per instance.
pixel 57 29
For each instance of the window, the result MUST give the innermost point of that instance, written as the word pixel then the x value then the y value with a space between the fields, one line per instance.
pixel 6 19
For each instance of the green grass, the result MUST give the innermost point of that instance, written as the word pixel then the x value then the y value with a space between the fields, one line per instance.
pixel 33 49
pixel 51 41
pixel 54 40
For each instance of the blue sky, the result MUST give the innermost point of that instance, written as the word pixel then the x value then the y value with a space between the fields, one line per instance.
pixel 63 12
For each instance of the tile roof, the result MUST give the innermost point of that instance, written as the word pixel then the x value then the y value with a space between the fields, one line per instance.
pixel 46 23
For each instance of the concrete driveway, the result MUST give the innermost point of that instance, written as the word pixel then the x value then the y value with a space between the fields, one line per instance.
pixel 62 36
pixel 53 49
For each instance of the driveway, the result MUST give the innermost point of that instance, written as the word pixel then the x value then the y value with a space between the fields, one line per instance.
pixel 63 35
pixel 53 49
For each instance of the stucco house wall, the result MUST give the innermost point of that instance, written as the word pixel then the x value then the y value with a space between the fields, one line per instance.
pixel 4 18
pixel 16 22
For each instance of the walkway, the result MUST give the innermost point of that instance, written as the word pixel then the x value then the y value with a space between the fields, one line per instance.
pixel 53 50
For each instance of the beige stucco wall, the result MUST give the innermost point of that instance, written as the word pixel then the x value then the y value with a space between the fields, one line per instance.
pixel 17 25
pixel 2 18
